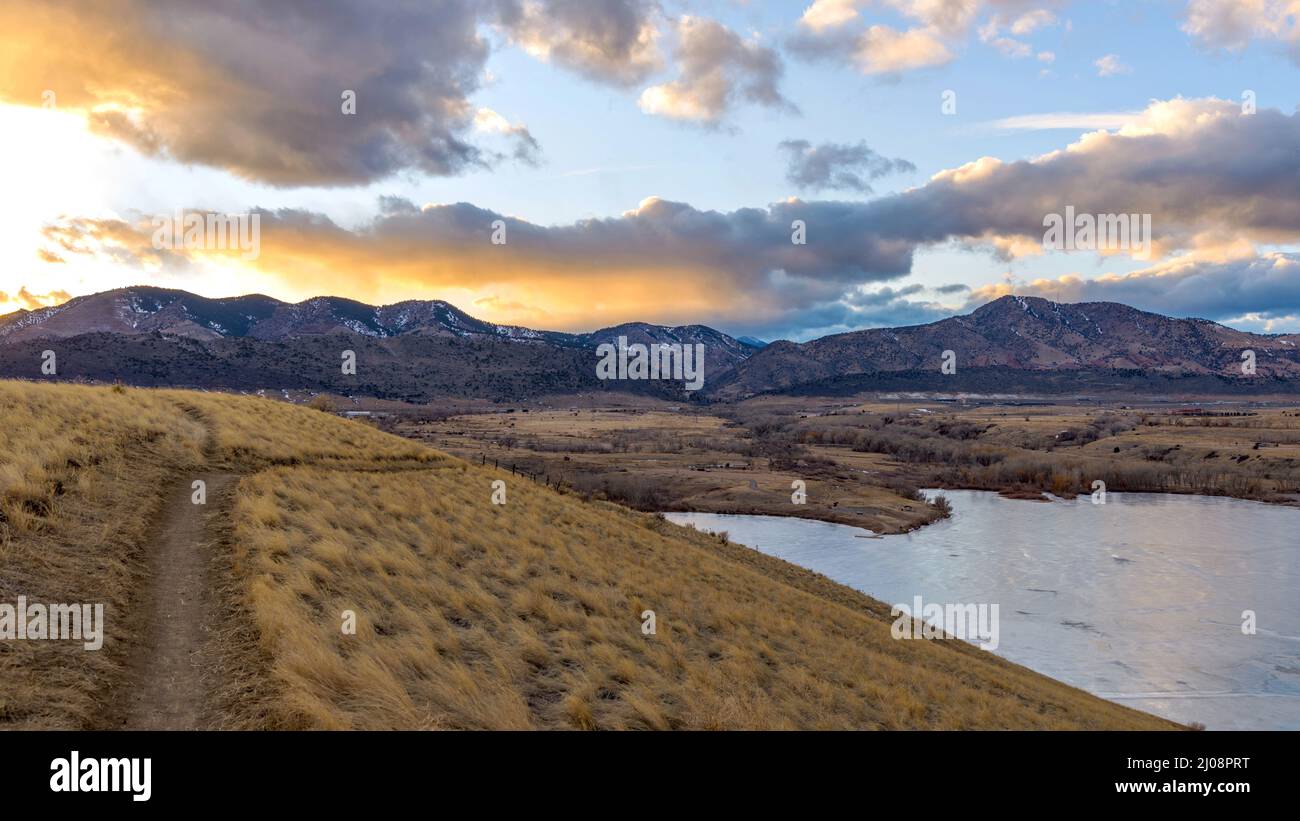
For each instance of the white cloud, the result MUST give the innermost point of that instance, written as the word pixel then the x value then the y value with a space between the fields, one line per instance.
pixel 1011 48
pixel 825 14
pixel 827 30
pixel 884 50
pixel 717 69
pixel 1090 121
pixel 1110 65
pixel 526 148
pixel 1232 24
pixel 1032 20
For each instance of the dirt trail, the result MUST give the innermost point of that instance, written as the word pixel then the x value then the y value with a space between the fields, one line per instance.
pixel 165 687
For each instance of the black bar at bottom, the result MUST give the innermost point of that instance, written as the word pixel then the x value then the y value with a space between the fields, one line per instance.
pixel 206 771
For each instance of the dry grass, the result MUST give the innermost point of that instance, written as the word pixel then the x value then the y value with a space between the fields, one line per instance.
pixel 657 460
pixel 80 476
pixel 1063 449
pixel 250 430
pixel 469 614
pixel 528 615
pixel 84 473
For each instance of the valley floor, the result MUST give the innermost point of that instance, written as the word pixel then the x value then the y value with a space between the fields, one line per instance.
pixel 862 462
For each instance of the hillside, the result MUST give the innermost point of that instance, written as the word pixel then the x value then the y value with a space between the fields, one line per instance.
pixel 144 310
pixel 468 614
pixel 1025 343
pixel 414 350
pixel 416 368
pixel 421 351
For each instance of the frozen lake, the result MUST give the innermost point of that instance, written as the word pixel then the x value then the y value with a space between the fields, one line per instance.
pixel 1139 600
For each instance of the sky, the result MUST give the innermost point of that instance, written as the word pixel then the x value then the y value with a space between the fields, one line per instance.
pixel 650 159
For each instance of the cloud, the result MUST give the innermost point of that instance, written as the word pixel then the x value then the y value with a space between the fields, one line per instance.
pixel 1072 120
pixel 690 263
pixel 263 95
pixel 1110 65
pixel 953 288
pixel 879 308
pixel 616 42
pixel 827 14
pixel 866 307
pixel 1265 287
pixel 527 149
pixel 716 70
pixel 27 300
pixel 260 94
pixel 1209 175
pixel 834 166
pixel 1232 24
pixel 1215 181
pixel 1011 48
pixel 609 41
pixel 948 17
pixel 1023 24
pixel 876 50
pixel 1028 22
pixel 835 30
pixel 884 50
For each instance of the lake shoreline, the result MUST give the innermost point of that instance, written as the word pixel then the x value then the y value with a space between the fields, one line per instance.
pixel 1139 601
pixel 1010 493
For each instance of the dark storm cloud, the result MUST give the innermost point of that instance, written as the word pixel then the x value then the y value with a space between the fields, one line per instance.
pixel 256 88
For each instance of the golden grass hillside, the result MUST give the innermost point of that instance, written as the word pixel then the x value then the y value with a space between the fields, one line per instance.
pixel 468 614
pixel 528 615
pixel 80 470
pixel 83 475
pixel 254 431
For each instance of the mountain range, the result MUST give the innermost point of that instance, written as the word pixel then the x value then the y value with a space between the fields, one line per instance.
pixel 422 350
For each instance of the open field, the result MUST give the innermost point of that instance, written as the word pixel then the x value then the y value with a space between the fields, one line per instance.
pixel 468 614
pixel 1240 451
pixel 657 460
pixel 862 462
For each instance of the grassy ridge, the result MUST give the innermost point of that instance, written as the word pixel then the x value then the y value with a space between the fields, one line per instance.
pixel 468 614
pixel 80 471
pixel 84 473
